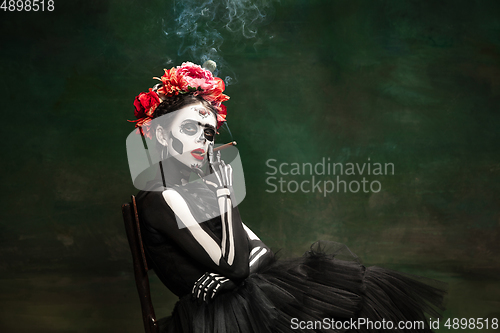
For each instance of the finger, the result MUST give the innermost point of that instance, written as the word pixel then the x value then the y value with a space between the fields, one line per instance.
pixel 201 294
pixel 209 283
pixel 207 290
pixel 218 156
pixel 226 173
pixel 214 291
pixel 197 283
pixel 216 172
pixel 223 175
pixel 210 152
pixel 196 291
pixel 199 289
pixel 230 172
pixel 200 284
pixel 208 182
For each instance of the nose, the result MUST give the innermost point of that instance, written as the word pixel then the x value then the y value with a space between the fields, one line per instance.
pixel 202 138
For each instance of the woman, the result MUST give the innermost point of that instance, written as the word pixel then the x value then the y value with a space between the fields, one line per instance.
pixel 225 276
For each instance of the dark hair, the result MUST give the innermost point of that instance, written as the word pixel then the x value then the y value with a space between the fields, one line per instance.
pixel 177 102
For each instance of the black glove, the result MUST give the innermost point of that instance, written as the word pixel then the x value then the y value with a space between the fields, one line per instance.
pixel 209 285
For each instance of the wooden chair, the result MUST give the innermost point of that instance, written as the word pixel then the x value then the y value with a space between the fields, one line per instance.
pixel 131 219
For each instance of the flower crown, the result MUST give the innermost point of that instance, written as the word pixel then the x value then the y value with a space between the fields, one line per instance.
pixel 187 78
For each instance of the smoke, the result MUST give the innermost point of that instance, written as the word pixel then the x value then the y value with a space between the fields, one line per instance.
pixel 201 24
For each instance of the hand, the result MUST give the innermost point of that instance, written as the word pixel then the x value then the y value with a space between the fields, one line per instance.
pixel 222 175
pixel 209 285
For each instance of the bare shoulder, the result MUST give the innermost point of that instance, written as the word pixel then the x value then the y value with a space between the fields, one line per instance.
pixel 172 197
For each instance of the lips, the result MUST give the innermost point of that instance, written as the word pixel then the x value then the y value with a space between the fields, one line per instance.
pixel 197 153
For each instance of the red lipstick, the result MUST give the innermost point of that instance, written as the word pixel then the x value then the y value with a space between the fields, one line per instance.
pixel 198 154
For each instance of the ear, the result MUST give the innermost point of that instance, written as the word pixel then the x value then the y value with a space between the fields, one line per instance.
pixel 161 135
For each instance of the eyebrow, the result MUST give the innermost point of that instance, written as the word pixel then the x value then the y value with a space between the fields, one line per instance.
pixel 201 124
pixel 206 125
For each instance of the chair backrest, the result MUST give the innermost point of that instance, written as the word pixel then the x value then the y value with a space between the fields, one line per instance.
pixel 132 226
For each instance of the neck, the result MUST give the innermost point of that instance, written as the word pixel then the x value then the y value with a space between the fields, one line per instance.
pixel 174 172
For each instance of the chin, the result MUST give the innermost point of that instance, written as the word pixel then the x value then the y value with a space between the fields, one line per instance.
pixel 196 166
pixel 189 161
pixel 193 162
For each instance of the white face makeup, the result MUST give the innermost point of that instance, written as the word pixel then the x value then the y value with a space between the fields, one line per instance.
pixel 192 129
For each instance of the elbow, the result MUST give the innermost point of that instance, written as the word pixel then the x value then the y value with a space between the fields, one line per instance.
pixel 238 273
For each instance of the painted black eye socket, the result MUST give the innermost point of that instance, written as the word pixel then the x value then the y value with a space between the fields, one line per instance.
pixel 209 134
pixel 189 128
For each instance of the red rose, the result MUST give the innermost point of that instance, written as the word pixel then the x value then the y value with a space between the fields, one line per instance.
pixel 145 104
pixel 221 115
pixel 172 82
pixel 215 94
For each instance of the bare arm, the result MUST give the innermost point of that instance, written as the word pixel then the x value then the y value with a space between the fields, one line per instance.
pixel 228 257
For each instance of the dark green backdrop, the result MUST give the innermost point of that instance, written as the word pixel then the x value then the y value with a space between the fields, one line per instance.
pixel 413 83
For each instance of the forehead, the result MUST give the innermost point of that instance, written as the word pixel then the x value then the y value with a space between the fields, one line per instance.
pixel 196 112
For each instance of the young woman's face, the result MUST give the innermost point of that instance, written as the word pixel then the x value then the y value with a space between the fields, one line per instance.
pixel 191 131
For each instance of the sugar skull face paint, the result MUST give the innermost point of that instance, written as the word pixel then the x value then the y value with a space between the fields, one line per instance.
pixel 191 130
pixel 204 113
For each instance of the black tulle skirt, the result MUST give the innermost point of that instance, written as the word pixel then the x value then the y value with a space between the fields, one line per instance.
pixel 326 290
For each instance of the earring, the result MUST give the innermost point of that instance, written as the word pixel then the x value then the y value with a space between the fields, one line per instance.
pixel 164 153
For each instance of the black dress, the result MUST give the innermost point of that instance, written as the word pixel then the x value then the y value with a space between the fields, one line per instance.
pixel 326 290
